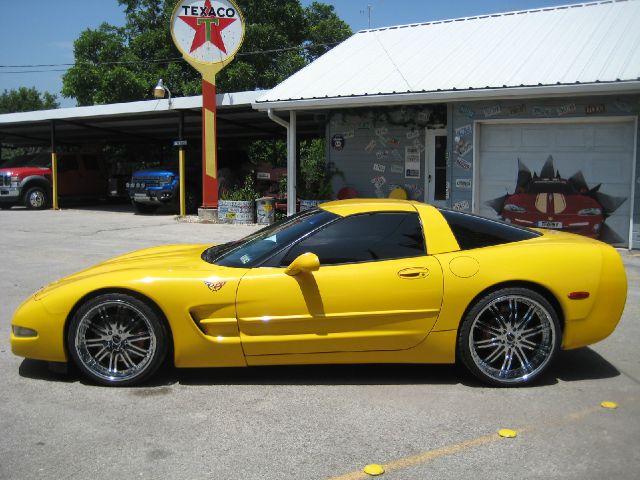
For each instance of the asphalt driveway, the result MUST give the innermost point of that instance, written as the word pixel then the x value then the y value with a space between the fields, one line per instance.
pixel 311 422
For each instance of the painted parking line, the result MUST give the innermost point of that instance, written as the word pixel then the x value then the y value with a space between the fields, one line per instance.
pixel 454 448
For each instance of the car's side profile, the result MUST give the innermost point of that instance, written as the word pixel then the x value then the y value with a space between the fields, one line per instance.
pixel 355 281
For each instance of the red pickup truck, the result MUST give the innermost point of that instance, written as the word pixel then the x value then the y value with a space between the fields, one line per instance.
pixel 26 180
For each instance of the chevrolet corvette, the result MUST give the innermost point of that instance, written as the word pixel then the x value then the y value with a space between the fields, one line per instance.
pixel 353 281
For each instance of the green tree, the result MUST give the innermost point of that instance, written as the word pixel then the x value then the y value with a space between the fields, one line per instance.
pixel 26 100
pixel 122 64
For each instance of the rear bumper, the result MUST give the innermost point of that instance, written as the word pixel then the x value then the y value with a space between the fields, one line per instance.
pixel 607 308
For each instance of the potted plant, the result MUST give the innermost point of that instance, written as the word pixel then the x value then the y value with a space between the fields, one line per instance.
pixel 237 205
pixel 315 174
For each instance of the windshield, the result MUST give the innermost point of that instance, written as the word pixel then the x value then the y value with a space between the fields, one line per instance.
pixel 42 160
pixel 551 186
pixel 259 246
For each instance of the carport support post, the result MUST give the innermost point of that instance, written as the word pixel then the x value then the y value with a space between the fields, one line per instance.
pixel 291 164
pixel 54 167
pixel 291 157
pixel 181 167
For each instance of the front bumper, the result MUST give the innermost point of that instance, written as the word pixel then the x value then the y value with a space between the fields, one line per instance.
pixel 48 343
pixel 10 194
pixel 151 197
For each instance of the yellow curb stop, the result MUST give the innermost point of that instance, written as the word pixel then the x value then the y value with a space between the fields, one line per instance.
pixel 507 433
pixel 373 469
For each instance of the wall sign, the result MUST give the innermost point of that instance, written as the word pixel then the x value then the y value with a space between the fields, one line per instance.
pixel 412 162
pixel 337 142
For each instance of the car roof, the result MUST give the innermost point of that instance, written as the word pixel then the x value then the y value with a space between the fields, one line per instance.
pixel 363 205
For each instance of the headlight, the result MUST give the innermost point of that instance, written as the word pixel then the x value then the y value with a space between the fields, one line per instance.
pixel 15 181
pixel 23 331
pixel 590 211
pixel 510 207
pixel 166 181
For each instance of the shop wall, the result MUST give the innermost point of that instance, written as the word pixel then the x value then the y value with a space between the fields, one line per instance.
pixel 375 150
pixel 469 118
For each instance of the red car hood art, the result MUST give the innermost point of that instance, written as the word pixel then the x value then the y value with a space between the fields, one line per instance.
pixel 550 201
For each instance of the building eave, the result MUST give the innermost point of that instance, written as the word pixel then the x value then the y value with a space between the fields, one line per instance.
pixel 446 96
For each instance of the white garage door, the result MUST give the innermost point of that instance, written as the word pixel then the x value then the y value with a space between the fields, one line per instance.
pixel 603 152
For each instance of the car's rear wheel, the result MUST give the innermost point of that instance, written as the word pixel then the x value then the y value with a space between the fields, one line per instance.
pixel 509 337
pixel 117 340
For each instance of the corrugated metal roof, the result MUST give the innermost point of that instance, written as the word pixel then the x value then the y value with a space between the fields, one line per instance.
pixel 225 100
pixel 594 45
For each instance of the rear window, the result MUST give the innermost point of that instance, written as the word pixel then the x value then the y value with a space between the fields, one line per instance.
pixel 472 231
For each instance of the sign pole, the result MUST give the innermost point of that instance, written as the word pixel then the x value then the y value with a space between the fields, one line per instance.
pixel 209 143
pixel 208 33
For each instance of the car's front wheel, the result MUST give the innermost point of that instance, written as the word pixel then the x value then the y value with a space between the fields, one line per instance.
pixel 117 340
pixel 509 337
pixel 36 198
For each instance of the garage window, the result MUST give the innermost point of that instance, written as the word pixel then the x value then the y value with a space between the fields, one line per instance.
pixel 364 238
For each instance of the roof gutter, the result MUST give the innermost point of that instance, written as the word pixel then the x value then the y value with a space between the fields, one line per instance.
pixel 547 91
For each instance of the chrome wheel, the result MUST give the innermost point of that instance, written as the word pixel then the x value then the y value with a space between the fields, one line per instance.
pixel 36 198
pixel 510 337
pixel 116 339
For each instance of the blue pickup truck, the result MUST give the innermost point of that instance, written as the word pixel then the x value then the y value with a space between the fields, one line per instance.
pixel 153 187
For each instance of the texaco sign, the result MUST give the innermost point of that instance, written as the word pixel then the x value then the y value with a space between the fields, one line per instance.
pixel 207 31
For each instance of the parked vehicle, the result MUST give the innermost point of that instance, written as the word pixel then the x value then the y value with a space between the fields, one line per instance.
pixel 353 281
pixel 153 187
pixel 27 179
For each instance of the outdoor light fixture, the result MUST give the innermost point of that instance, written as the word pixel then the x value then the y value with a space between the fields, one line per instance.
pixel 159 91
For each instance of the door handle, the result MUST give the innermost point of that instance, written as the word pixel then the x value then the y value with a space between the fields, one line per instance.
pixel 414 273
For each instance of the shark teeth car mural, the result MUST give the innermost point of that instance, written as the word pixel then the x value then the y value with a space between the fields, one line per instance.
pixel 551 201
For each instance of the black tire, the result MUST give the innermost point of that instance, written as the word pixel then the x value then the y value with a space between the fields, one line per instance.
pixel 143 207
pixel 117 340
pixel 36 198
pixel 509 337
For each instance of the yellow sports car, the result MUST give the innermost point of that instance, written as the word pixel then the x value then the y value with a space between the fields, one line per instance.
pixel 354 281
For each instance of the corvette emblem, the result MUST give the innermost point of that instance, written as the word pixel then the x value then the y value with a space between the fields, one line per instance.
pixel 215 286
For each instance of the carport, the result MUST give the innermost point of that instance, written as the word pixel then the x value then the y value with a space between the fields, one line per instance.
pixel 154 122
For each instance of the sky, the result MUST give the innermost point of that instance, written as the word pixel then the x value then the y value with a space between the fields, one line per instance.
pixel 42 32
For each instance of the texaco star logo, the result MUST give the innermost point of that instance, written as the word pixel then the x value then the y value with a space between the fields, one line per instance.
pixel 208 31
pixel 207 25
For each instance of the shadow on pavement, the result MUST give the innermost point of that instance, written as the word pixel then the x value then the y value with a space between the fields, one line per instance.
pixel 569 366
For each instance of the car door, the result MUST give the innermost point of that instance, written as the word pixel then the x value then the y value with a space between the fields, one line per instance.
pixel 376 289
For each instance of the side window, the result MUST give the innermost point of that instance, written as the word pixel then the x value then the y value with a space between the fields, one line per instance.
pixel 67 163
pixel 476 232
pixel 364 238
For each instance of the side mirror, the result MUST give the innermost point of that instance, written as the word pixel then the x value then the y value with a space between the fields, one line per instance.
pixel 307 262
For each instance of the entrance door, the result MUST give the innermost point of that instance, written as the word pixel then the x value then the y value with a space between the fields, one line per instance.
pixel 435 187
